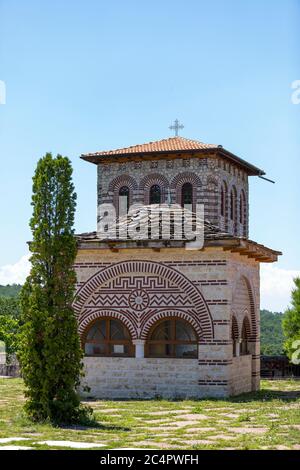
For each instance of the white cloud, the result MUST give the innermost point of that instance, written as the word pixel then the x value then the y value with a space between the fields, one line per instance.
pixel 15 273
pixel 276 285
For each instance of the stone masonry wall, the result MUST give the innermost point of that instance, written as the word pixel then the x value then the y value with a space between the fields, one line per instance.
pixel 215 274
pixel 206 175
pixel 118 377
pixel 245 301
pixel 241 375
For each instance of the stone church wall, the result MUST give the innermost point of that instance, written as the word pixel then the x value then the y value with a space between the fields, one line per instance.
pixel 216 275
pixel 118 377
pixel 206 175
pixel 241 375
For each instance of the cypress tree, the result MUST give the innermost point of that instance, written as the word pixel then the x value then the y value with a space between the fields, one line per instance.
pixel 50 354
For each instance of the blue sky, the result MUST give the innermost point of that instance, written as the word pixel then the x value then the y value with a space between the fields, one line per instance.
pixel 90 75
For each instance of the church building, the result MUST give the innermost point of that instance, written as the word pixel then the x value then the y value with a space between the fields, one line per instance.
pixel 156 318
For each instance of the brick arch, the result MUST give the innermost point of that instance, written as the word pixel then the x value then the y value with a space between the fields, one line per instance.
pixel 243 212
pixel 224 203
pixel 199 310
pixel 246 323
pixel 116 184
pixel 90 317
pixel 233 207
pixel 254 327
pixel 187 316
pixel 186 177
pixel 250 311
pixel 150 180
pixel 123 180
pixel 234 328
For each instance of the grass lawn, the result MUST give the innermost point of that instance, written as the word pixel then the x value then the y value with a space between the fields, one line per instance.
pixel 269 419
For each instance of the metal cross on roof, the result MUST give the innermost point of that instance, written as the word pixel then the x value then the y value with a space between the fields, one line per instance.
pixel 176 126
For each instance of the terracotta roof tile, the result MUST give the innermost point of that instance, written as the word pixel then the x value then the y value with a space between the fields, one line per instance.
pixel 165 145
pixel 171 145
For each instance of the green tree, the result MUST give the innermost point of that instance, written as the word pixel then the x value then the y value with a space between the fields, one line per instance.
pixel 10 306
pixel 9 328
pixel 50 354
pixel 9 324
pixel 271 334
pixel 10 290
pixel 291 320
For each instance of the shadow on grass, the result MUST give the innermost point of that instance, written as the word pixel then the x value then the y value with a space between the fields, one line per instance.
pixel 94 425
pixel 88 423
pixel 262 395
pixel 266 395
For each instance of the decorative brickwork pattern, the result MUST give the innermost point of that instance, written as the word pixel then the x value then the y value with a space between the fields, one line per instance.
pixel 143 292
pixel 122 180
pixel 161 285
pixel 243 306
pixel 117 184
pixel 180 180
pixel 148 181
pixel 207 175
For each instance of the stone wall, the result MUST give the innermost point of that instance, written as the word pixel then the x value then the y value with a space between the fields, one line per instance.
pixel 216 275
pixel 130 378
pixel 241 381
pixel 245 300
pixel 206 175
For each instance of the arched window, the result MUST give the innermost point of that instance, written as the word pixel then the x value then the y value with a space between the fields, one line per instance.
pixel 172 338
pixel 245 337
pixel 233 208
pixel 242 202
pixel 123 200
pixel 224 204
pixel 234 335
pixel 108 337
pixel 232 205
pixel 155 194
pixel 243 219
pixel 187 196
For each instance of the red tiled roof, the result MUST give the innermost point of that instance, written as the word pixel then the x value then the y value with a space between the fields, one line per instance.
pixel 172 144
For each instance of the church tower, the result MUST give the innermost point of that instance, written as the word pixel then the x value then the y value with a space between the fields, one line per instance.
pixel 155 317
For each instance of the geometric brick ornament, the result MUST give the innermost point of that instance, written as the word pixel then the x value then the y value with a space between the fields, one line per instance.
pixel 139 293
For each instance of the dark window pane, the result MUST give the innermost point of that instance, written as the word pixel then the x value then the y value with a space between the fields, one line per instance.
pixel 187 194
pixel 123 200
pixel 173 338
pixel 222 202
pixel 99 341
pixel 94 349
pixel 102 328
pixel 92 332
pixel 160 350
pixel 117 330
pixel 186 350
pixel 162 331
pixel 97 332
pixel 124 191
pixel 155 194
pixel 233 198
pixel 184 331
